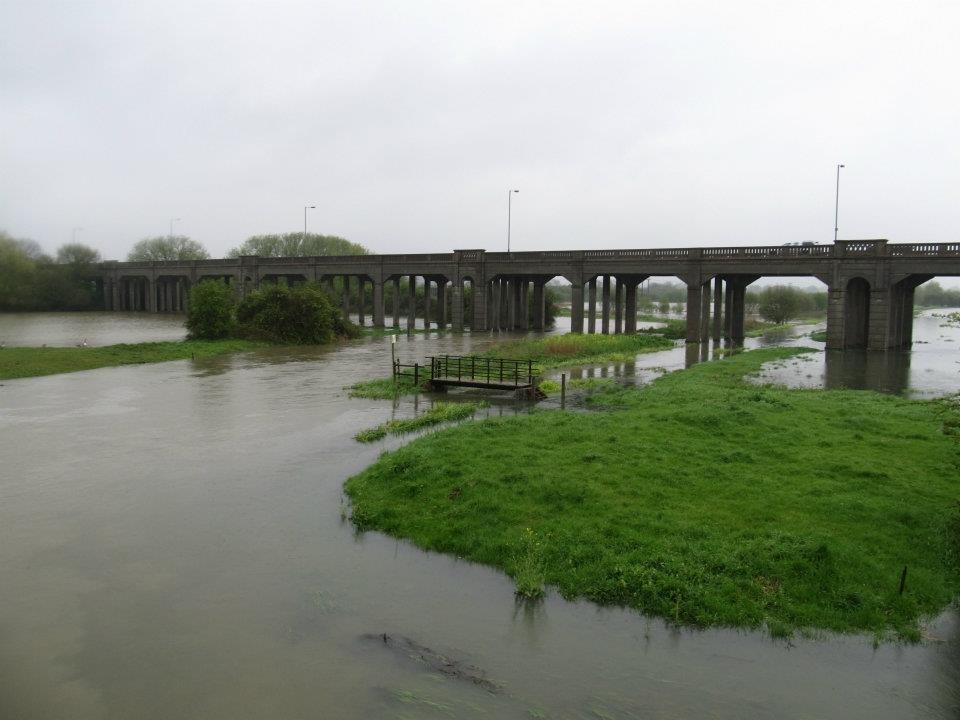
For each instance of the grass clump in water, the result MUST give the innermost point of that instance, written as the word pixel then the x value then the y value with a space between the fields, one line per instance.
pixel 21 362
pixel 700 498
pixel 441 412
pixel 384 388
pixel 578 349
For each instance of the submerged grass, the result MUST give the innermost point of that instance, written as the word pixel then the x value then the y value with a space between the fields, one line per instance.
pixel 384 388
pixel 699 498
pixel 21 362
pixel 577 349
pixel 441 412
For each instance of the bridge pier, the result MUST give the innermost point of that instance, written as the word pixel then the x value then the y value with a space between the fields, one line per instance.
pixel 524 304
pixel 592 306
pixel 442 304
pixel 539 305
pixel 378 308
pixel 605 307
pixel 618 308
pixel 576 307
pixel 396 302
pixel 411 302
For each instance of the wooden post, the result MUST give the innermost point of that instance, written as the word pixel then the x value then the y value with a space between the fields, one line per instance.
pixel 416 373
pixel 563 390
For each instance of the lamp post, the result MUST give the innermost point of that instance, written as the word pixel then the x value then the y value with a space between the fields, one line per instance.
pixel 509 202
pixel 75 231
pixel 305 208
pixel 172 221
pixel 836 207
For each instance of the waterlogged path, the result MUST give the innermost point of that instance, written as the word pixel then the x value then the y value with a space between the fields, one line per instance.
pixel 173 545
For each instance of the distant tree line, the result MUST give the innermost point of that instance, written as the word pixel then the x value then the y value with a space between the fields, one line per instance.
pixel 32 280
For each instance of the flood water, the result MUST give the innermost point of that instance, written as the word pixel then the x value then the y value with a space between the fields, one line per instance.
pixel 172 544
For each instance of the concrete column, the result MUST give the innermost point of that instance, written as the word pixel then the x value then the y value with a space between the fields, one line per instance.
pixel 426 303
pixel 879 321
pixel 456 305
pixel 630 311
pixel 115 299
pixel 576 308
pixel 694 291
pixel 605 306
pixel 592 306
pixel 396 302
pixel 503 318
pixel 442 304
pixel 186 295
pixel 345 299
pixel 737 309
pixel 524 310
pixel 705 312
pixel 618 308
pixel 493 303
pixel 412 302
pixel 131 304
pixel 167 295
pixel 151 290
pixel 378 304
pixel 539 305
pixel 717 307
pixel 728 310
pixel 361 285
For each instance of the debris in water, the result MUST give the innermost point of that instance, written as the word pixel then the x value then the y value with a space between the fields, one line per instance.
pixel 435 661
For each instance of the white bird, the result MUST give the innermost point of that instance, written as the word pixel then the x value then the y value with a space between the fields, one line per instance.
pixel 82 343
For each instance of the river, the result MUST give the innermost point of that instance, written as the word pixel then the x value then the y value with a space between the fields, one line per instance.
pixel 173 544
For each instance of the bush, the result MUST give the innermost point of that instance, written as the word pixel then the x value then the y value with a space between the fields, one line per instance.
pixel 210 316
pixel 299 316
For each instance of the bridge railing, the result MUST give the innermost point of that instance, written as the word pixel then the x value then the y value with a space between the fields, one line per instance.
pixel 501 371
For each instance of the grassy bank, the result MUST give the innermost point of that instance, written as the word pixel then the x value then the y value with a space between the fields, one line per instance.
pixel 20 362
pixel 574 349
pixel 700 498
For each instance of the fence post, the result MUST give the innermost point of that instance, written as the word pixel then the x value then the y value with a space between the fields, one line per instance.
pixel 530 372
pixel 563 390
pixel 416 373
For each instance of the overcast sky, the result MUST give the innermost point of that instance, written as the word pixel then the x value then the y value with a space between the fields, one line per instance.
pixel 623 124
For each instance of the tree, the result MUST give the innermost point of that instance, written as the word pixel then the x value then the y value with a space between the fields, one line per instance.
pixel 77 254
pixel 210 316
pixel 167 247
pixel 303 315
pixel 779 303
pixel 294 244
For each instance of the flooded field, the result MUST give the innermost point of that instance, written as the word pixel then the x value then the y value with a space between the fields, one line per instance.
pixel 173 544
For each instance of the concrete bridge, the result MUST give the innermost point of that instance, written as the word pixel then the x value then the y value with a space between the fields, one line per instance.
pixel 870 285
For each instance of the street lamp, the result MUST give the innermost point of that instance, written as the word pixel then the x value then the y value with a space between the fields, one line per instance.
pixel 509 201
pixel 836 207
pixel 75 231
pixel 305 208
pixel 172 221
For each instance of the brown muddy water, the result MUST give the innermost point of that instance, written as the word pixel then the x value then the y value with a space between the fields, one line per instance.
pixel 172 544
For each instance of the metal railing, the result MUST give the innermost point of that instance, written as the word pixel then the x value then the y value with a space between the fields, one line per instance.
pixel 487 370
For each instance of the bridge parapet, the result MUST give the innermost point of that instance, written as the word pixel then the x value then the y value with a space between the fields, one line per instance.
pixel 925 250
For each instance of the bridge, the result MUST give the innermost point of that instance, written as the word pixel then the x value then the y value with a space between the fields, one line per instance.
pixel 870 285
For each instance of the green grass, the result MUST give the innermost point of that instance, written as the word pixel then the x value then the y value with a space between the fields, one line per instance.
pixel 699 498
pixel 384 388
pixel 439 413
pixel 576 349
pixel 21 362
pixel 819 335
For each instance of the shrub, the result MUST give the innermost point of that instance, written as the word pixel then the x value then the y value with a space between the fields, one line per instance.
pixel 299 316
pixel 210 316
